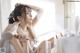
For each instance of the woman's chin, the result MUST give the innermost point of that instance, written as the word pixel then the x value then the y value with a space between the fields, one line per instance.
pixel 30 23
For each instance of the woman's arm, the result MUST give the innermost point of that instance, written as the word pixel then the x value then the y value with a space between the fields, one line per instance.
pixel 16 43
pixel 24 41
pixel 24 48
pixel 39 13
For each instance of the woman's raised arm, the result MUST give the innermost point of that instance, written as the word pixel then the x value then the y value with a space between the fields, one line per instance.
pixel 39 13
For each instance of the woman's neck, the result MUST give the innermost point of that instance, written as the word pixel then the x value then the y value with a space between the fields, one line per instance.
pixel 23 26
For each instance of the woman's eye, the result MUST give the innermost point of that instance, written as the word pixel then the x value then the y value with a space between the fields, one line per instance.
pixel 27 13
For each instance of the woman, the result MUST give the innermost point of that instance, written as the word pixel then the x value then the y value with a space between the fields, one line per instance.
pixel 20 26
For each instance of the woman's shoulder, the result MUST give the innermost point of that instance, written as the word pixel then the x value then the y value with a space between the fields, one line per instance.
pixel 11 27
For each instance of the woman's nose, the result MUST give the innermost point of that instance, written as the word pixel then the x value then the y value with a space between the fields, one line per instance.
pixel 30 18
pixel 30 15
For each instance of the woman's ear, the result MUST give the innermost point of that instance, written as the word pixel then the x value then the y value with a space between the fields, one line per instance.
pixel 19 18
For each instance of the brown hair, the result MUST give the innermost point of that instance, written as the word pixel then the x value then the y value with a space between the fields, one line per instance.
pixel 18 11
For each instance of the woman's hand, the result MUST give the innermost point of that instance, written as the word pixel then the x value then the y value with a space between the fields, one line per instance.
pixel 22 38
pixel 24 42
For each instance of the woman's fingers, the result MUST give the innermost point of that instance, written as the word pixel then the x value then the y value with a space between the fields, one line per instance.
pixel 27 38
pixel 21 38
pixel 16 36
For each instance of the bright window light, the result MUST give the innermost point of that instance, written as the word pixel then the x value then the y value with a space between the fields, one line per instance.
pixel 77 16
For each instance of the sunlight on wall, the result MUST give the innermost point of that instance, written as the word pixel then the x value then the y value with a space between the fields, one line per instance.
pixel 47 21
pixel 77 16
pixel 77 8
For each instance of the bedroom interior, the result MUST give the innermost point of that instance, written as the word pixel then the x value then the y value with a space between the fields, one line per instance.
pixel 58 29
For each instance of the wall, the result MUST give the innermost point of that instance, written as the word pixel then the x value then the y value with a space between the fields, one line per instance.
pixel 69 16
pixel 65 14
pixel 4 14
pixel 5 11
pixel 0 20
pixel 59 12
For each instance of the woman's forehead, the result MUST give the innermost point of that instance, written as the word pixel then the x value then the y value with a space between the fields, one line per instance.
pixel 28 9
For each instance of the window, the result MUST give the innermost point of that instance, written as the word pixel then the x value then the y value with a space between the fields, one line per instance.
pixel 77 15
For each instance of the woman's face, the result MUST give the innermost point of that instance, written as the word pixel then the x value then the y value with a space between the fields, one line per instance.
pixel 27 18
